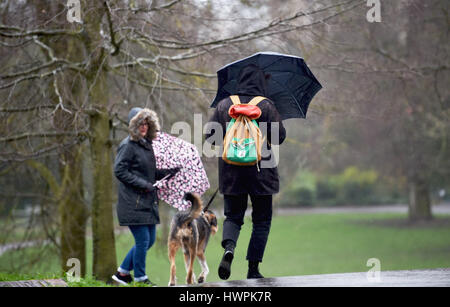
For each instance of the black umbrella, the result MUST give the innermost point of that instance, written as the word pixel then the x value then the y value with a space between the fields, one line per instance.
pixel 291 85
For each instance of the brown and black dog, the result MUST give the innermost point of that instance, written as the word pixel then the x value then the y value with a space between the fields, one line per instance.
pixel 191 231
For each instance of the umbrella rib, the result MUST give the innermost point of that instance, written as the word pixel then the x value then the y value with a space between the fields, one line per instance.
pixel 279 59
pixel 290 93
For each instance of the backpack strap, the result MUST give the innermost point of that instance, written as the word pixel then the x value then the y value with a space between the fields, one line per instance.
pixel 235 99
pixel 256 100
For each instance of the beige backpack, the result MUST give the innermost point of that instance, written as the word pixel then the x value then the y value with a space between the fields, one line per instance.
pixel 243 139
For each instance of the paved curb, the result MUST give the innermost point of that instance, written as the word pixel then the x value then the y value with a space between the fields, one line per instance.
pixel 35 283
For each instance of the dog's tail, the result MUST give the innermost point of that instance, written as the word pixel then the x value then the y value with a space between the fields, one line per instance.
pixel 196 207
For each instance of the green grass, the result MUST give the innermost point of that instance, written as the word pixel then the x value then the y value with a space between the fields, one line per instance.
pixel 335 243
pixel 298 245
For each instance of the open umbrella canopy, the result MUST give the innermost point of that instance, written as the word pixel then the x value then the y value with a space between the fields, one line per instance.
pixel 171 152
pixel 291 85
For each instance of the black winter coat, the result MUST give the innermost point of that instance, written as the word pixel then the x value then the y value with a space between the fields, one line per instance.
pixel 234 179
pixel 135 168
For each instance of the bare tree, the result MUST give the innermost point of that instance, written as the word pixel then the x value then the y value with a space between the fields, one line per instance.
pixel 73 84
pixel 387 102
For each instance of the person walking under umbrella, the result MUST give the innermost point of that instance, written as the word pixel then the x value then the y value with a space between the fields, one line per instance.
pixel 238 182
pixel 137 208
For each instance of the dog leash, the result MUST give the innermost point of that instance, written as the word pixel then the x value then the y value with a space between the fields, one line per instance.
pixel 210 201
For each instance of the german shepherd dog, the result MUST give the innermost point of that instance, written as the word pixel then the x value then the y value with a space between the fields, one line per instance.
pixel 191 231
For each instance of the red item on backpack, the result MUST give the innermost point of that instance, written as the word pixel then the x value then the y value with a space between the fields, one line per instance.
pixel 251 111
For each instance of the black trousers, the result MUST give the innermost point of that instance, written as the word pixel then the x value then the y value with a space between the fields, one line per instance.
pixel 234 209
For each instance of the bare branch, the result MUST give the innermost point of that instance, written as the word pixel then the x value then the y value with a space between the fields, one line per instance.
pixel 111 32
pixel 8 157
pixel 60 99
pixel 149 9
pixel 256 34
pixel 42 135
pixel 163 43
pixel 165 6
pixel 28 109
pixel 190 73
pixel 153 86
pixel 20 44
pixel 28 77
pixel 33 70
pixel 16 32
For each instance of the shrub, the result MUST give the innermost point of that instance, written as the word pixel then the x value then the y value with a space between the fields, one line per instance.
pixel 356 186
pixel 326 190
pixel 300 191
pixel 305 196
pixel 352 186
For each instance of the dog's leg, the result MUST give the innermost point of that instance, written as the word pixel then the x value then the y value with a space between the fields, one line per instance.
pixel 173 247
pixel 186 258
pixel 190 267
pixel 204 265
pixel 187 261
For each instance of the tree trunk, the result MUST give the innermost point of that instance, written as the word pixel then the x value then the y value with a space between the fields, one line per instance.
pixel 104 262
pixel 72 211
pixel 419 207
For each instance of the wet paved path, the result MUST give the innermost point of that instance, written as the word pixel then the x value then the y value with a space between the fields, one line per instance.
pixel 413 278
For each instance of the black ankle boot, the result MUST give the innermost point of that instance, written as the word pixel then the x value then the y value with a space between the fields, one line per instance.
pixel 253 271
pixel 227 259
